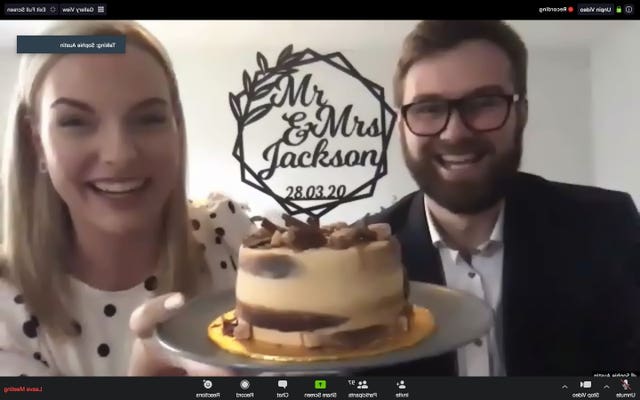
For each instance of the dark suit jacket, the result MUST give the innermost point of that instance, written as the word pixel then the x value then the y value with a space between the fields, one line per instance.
pixel 570 279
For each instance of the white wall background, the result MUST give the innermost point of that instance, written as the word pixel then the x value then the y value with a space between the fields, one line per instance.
pixel 615 109
pixel 583 87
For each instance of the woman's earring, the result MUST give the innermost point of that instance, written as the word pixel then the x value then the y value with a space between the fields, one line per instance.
pixel 42 166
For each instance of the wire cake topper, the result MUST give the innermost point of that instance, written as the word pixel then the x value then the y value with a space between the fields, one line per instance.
pixel 312 132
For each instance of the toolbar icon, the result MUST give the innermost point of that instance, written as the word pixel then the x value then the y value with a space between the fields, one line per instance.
pixel 363 385
pixel 320 384
pixel 585 384
pixel 625 384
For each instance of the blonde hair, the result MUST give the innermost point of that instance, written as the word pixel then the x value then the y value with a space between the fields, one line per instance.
pixel 37 229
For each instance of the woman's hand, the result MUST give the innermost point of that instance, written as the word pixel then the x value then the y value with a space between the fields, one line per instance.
pixel 147 357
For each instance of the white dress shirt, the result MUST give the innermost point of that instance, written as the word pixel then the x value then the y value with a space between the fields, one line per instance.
pixel 482 277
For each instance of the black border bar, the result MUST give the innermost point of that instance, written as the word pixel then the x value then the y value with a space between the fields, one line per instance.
pixel 198 9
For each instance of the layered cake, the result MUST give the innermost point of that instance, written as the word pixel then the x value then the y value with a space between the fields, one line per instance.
pixel 311 286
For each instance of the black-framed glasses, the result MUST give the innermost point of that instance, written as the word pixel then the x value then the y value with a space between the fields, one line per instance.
pixel 479 113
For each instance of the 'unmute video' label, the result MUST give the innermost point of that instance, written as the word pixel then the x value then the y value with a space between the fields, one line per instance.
pixel 71 44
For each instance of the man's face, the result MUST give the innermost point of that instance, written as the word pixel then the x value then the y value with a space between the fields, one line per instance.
pixel 467 167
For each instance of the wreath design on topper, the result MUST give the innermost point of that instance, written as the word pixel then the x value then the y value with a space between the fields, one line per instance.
pixel 273 87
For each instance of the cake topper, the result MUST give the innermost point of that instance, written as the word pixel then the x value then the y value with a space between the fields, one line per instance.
pixel 312 132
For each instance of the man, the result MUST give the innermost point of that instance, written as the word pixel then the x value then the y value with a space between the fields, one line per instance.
pixel 553 260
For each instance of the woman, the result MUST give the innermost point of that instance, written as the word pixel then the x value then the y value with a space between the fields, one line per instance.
pixel 96 220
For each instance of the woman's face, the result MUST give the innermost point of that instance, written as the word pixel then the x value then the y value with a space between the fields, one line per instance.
pixel 107 130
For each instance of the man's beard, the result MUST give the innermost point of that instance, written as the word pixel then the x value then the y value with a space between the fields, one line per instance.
pixel 468 196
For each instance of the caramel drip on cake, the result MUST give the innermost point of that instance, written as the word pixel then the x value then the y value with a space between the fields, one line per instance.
pixel 358 337
pixel 366 342
pixel 286 321
pixel 289 321
pixel 273 266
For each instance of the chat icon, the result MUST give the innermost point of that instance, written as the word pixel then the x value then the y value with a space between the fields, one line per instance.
pixel 282 383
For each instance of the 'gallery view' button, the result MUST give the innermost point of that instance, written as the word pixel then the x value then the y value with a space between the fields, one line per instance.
pixel 70 44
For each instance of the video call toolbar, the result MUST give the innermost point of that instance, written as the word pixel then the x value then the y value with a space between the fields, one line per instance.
pixel 622 386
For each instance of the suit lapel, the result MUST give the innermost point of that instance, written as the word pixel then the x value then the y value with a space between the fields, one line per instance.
pixel 422 260
pixel 510 329
pixel 420 256
pixel 534 255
